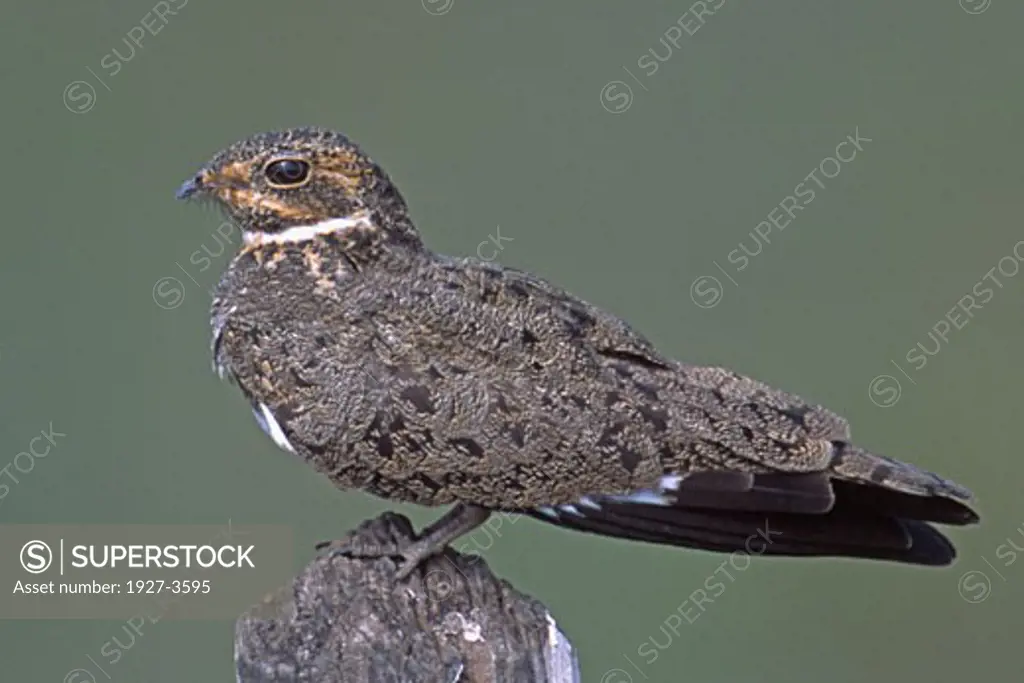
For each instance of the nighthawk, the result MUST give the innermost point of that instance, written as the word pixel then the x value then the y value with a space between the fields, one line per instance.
pixel 437 380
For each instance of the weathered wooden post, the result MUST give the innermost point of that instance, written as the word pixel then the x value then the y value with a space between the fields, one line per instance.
pixel 453 621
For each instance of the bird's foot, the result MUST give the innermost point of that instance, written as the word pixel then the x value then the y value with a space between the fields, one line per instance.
pixel 387 536
pixel 408 554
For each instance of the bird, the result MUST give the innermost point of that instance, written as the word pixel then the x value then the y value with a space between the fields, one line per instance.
pixel 438 380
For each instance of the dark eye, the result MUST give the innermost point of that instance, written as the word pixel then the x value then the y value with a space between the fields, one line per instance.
pixel 284 173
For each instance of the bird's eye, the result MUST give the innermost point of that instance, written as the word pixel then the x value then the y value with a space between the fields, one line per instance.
pixel 286 173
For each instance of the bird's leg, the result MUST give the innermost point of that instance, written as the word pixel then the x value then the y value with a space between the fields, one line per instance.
pixel 460 520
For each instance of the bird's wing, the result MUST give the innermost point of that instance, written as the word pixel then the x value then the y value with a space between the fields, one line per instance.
pixel 750 461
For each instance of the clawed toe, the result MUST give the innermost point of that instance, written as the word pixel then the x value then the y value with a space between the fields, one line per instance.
pixel 407 558
pixel 360 550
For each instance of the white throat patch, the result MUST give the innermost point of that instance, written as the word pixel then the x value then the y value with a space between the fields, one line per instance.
pixel 304 233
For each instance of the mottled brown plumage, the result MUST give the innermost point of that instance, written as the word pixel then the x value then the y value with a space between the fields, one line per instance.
pixel 436 380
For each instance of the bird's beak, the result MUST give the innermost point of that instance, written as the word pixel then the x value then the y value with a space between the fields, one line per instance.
pixel 202 182
pixel 190 187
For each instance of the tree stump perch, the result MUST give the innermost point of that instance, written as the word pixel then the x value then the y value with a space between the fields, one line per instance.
pixel 452 621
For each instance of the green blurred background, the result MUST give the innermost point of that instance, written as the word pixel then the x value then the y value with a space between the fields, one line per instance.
pixel 508 114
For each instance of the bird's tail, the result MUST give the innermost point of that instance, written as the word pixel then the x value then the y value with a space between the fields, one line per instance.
pixel 863 506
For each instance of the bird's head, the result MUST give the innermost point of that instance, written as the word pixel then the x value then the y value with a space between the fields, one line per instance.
pixel 294 184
